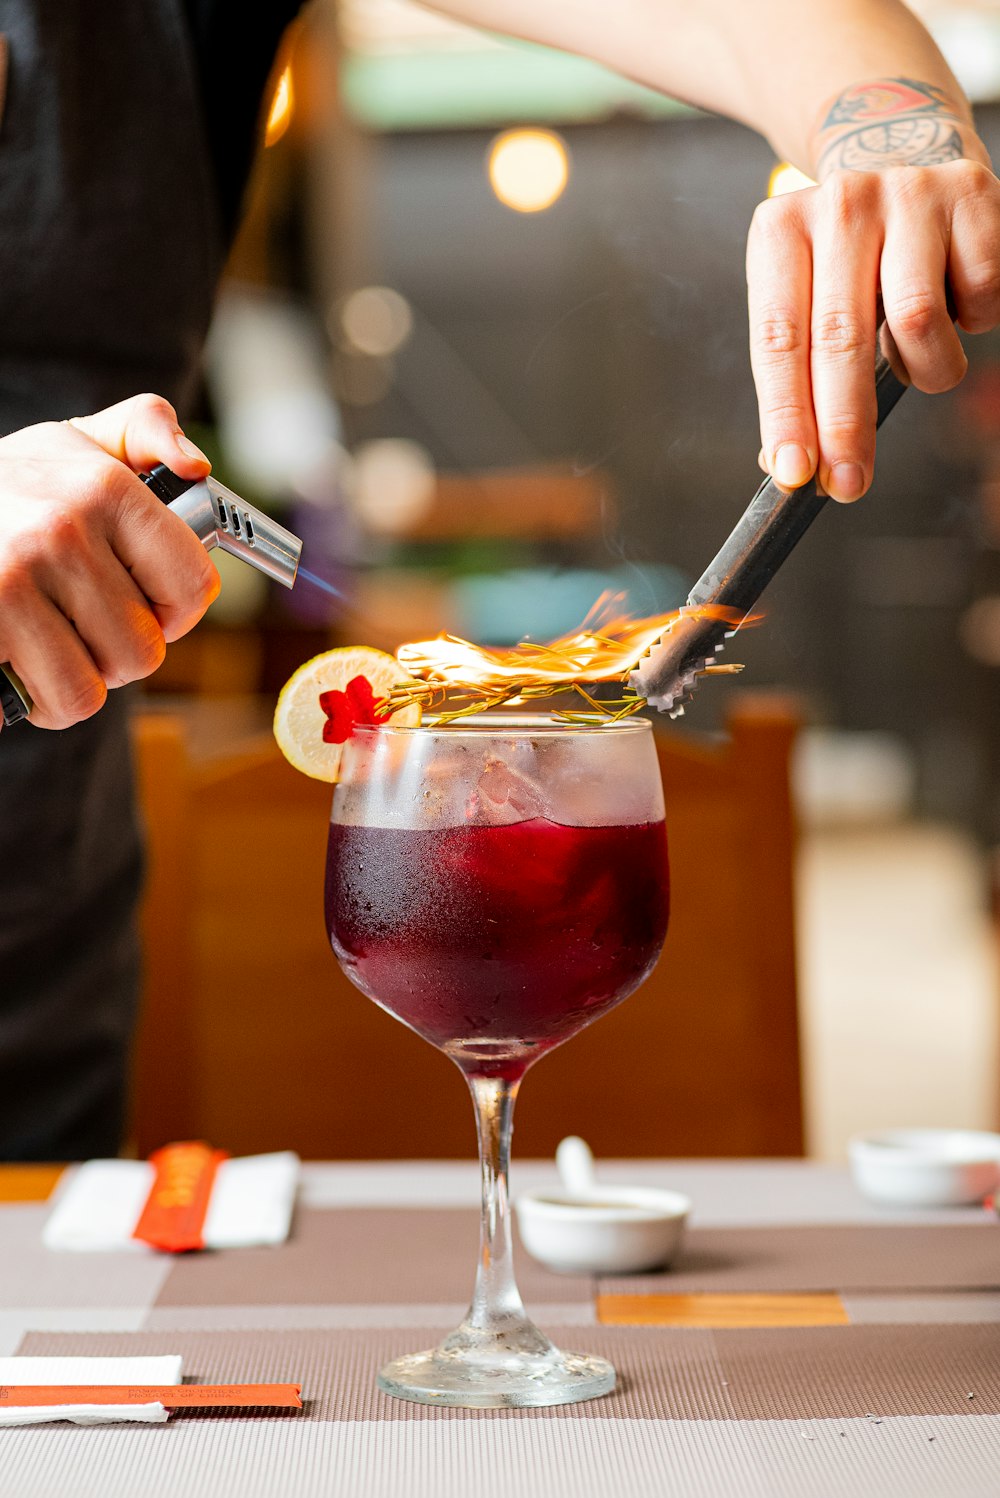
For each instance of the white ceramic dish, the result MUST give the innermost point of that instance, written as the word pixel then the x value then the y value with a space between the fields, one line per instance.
pixel 613 1230
pixel 925 1167
pixel 587 1228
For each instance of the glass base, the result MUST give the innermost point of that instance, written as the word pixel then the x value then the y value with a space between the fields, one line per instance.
pixel 473 1370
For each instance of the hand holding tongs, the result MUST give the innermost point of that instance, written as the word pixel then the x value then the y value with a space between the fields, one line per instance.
pixel 764 536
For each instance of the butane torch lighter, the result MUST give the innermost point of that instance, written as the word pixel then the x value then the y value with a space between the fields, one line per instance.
pixel 218 517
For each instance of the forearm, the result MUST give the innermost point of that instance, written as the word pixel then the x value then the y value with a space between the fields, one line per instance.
pixel 890 121
pixel 865 89
pixel 813 76
pixel 803 73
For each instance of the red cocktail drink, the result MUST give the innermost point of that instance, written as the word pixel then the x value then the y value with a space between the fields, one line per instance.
pixel 497 942
pixel 497 883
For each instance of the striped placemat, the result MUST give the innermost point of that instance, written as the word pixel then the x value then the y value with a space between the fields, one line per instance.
pixel 774 1374
pixel 869 1257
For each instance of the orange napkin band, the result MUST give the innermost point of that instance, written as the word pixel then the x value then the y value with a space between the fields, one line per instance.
pixel 173 1396
pixel 174 1215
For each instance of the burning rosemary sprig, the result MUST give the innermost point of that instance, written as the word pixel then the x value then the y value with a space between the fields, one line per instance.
pixel 448 703
pixel 462 702
pixel 453 678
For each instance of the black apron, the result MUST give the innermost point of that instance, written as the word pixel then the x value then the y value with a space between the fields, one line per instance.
pixel 110 250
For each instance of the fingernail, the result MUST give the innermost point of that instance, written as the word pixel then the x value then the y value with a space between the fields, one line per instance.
pixel 188 448
pixel 847 481
pixel 792 465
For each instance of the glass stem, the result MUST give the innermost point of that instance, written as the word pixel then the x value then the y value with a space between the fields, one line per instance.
pixel 496 1303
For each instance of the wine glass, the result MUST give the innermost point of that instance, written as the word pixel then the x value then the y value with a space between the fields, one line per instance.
pixel 497 883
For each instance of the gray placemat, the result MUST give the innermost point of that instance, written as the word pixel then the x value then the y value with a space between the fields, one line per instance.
pixel 792 1373
pixel 367 1255
pixel 904 1457
pixel 834 1257
pixel 35 1276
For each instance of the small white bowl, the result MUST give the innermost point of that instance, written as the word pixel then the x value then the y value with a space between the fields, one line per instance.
pixel 926 1167
pixel 611 1230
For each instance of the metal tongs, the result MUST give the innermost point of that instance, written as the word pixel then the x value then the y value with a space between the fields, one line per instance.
pixel 764 536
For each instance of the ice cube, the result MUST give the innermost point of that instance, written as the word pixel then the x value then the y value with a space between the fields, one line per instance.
pixel 503 795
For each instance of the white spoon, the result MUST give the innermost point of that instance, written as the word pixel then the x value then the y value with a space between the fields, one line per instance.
pixel 575 1164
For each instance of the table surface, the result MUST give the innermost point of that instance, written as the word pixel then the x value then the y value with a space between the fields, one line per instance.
pixel 832 1391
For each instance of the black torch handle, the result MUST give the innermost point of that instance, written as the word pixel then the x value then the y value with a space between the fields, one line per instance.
pixel 15 704
pixel 166 484
pixel 774 522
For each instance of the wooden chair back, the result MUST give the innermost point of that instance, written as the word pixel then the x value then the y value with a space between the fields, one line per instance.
pixel 253 1038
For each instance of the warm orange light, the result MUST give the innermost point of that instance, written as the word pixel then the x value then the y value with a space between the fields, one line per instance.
pixel 528 169
pixel 787 178
pixel 282 108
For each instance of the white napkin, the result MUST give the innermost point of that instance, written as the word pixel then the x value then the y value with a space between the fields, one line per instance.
pixel 57 1371
pixel 100 1204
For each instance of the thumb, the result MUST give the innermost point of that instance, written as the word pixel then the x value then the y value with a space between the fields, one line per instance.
pixel 142 432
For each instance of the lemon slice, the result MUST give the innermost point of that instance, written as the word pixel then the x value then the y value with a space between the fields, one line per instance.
pixel 299 719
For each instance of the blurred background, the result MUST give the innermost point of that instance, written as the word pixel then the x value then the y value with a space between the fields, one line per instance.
pixel 482 343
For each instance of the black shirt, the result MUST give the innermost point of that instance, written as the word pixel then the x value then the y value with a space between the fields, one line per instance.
pixel 235 43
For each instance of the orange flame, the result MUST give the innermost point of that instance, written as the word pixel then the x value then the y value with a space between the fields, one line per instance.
pixel 606 647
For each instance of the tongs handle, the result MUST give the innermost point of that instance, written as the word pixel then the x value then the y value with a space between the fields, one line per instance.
pixel 774 522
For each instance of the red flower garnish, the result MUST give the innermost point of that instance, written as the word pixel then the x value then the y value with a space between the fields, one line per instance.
pixel 345 710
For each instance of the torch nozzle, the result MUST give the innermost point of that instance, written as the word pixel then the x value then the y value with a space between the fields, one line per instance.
pixel 219 517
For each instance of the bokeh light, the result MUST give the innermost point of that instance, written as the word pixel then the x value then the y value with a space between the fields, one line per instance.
pixel 282 108
pixel 375 320
pixel 392 484
pixel 528 169
pixel 787 178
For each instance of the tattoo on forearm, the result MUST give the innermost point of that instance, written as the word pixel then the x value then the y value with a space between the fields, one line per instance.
pixel 884 98
pixel 899 142
pixel 897 122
